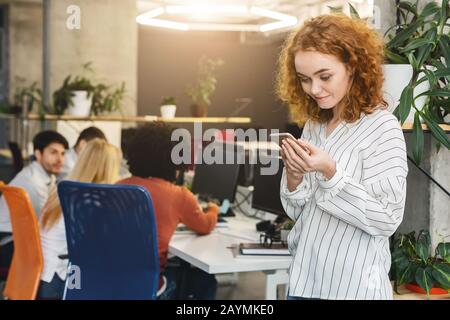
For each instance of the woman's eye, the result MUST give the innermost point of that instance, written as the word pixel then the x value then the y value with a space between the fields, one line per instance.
pixel 325 78
pixel 304 79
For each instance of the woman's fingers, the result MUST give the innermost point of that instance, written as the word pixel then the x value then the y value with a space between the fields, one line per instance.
pixel 299 149
pixel 309 147
pixel 294 161
pixel 302 161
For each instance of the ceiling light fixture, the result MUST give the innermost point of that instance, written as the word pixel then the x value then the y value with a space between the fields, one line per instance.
pixel 281 20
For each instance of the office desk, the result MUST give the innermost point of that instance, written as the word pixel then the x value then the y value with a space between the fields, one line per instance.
pixel 216 253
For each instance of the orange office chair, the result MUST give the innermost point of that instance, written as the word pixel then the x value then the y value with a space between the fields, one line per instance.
pixel 24 274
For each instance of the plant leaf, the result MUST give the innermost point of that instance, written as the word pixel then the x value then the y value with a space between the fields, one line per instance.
pixel 435 93
pixel 436 131
pixel 429 9
pixel 423 245
pixel 441 273
pixel 413 61
pixel 433 76
pixel 417 139
pixel 406 99
pixel 443 15
pixel 445 48
pixel 424 278
pixel 424 52
pixel 353 12
pixel 405 5
pixel 443 250
pixel 395 58
pixel 406 275
pixel 405 34
pixel 414 44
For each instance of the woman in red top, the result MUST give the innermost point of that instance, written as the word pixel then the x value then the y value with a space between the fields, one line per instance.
pixel 149 160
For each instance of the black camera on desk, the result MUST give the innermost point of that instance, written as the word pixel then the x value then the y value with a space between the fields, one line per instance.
pixel 269 226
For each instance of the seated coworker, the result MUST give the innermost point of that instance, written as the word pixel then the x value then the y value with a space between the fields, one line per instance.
pixel 98 163
pixel 149 160
pixel 72 154
pixel 37 179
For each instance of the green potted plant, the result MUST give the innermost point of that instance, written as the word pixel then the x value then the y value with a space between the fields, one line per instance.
pixel 414 265
pixel 419 49
pixel 205 86
pixel 168 107
pixel 28 97
pixel 81 96
pixel 285 229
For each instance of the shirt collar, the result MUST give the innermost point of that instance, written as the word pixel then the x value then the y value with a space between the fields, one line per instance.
pixel 36 166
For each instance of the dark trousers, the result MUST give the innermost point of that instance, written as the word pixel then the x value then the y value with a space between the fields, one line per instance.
pixel 53 290
pixel 6 254
pixel 187 282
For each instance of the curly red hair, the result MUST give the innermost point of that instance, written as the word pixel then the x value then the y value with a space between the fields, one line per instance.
pixel 353 43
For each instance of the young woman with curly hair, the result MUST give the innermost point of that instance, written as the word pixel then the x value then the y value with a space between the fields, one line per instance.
pixel 344 182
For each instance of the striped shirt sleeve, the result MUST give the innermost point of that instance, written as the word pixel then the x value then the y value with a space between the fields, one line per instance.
pixel 293 202
pixel 376 204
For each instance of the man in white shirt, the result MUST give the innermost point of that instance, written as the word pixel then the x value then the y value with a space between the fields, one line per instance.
pixel 37 179
pixel 71 157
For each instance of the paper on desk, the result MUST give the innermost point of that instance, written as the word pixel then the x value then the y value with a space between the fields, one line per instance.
pixel 183 229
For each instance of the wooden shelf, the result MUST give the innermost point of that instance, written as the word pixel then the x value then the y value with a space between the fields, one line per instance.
pixel 143 119
pixel 409 127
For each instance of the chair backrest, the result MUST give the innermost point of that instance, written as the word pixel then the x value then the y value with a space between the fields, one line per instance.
pixel 16 156
pixel 27 263
pixel 111 240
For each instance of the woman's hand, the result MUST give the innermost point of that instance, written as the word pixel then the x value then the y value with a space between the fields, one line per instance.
pixel 302 156
pixel 292 164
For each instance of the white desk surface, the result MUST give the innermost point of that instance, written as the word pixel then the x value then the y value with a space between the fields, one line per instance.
pixel 213 253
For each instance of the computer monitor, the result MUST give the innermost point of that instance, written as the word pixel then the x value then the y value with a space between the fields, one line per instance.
pixel 216 181
pixel 266 192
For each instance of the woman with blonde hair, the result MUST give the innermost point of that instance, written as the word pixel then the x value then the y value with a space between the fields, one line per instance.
pixel 344 182
pixel 99 162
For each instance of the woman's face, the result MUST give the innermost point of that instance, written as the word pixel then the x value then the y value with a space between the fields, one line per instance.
pixel 323 77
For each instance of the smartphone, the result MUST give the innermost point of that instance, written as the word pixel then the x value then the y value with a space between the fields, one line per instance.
pixel 284 135
pixel 281 136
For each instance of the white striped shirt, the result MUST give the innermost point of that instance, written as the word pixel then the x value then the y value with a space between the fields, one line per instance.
pixel 340 241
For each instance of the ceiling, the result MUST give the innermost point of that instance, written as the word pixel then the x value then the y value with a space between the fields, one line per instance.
pixel 300 9
pixel 292 7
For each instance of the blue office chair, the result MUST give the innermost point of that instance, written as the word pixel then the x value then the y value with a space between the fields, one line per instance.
pixel 112 242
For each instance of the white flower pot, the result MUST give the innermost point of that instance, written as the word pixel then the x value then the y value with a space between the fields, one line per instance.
pixel 284 234
pixel 168 111
pixel 81 104
pixel 396 78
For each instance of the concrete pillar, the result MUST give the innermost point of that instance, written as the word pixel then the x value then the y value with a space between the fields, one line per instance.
pixel 25 44
pixel 417 207
pixel 387 14
pixel 107 37
pixel 439 201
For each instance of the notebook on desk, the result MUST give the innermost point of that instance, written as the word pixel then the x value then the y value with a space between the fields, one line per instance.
pixel 276 249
